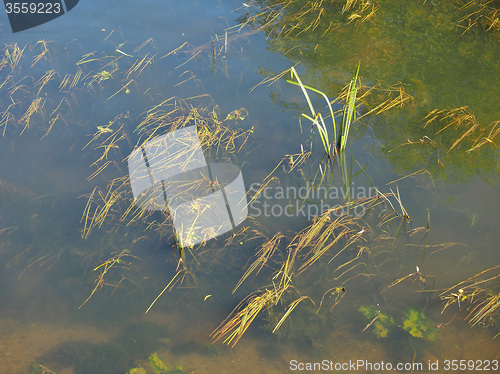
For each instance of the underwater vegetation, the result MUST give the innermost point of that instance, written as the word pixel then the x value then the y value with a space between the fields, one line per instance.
pixel 380 322
pixel 429 53
pixel 479 295
pixel 413 321
pixel 156 366
pixel 416 324
pixel 416 58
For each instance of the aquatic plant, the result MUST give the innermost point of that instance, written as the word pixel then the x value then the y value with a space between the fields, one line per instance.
pixel 157 366
pixel 333 241
pixel 232 329
pixel 137 371
pixel 480 295
pixel 337 148
pixel 331 250
pixel 390 49
pixel 40 369
pixel 479 15
pixel 416 324
pixel 290 19
pixel 381 323
pixel 463 118
pixel 329 239
pixel 46 98
pixel 348 116
pixel 113 205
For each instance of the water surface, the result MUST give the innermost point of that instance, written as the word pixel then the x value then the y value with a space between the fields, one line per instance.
pixel 48 268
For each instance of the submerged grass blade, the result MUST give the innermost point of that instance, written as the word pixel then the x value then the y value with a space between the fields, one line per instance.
pixel 265 253
pixel 163 291
pixel 291 307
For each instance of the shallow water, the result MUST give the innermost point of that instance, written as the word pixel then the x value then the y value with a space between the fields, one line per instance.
pixel 49 271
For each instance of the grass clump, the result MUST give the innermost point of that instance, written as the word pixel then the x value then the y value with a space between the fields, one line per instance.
pixel 479 295
pixel 348 115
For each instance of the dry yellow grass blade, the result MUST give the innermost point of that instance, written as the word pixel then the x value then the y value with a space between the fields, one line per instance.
pixel 52 122
pixel 169 115
pixel 485 309
pixel 64 82
pixel 240 319
pixel 44 80
pixel 7 79
pixel 493 21
pixel 323 244
pixel 366 9
pixel 488 139
pixel 43 54
pixel 99 205
pixel 306 237
pixel 291 307
pixel 483 303
pixel 324 234
pixel 476 12
pixel 269 80
pixel 262 187
pixel 98 171
pixel 3 63
pixel 7 117
pixel 464 135
pixel 105 267
pixel 174 51
pixel 76 78
pixel 87 58
pixel 339 293
pixel 473 282
pixel 150 40
pixel 418 172
pixel 139 66
pixel 264 254
pixel 166 288
pixel 13 55
pixel 35 106
pixel 349 4
pixel 463 118
pixel 389 98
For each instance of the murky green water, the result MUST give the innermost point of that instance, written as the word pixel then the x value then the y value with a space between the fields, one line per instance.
pixel 373 296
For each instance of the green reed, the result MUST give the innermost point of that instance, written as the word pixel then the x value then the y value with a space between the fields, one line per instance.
pixel 338 147
pixel 318 120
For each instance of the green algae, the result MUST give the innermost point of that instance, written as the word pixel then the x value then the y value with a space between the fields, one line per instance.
pixel 381 322
pixel 417 325
pixel 414 322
